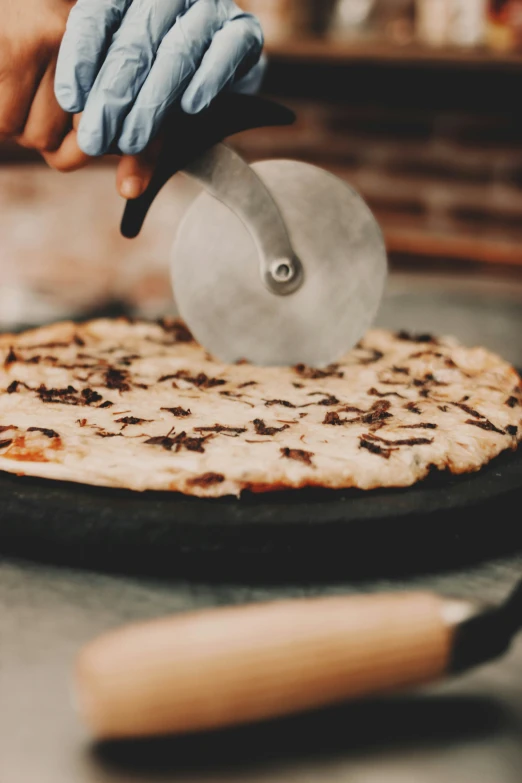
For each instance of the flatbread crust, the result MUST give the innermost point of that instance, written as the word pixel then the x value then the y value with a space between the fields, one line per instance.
pixel 140 405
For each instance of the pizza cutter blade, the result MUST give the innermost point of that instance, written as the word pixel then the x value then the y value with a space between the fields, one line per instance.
pixel 225 258
pixel 278 263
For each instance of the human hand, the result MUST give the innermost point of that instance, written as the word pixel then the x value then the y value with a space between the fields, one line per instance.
pixel 159 52
pixel 133 174
pixel 30 35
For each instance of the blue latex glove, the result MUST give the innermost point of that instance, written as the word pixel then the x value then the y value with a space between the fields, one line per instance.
pixel 123 63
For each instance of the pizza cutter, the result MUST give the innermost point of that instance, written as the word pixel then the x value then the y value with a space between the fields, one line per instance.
pixel 278 262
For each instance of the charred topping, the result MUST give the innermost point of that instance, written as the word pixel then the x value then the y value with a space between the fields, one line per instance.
pixel 333 418
pixel 5 443
pixel 81 355
pixel 77 340
pixel 401 441
pixel 237 362
pixel 468 410
pixel 106 404
pixel 374 448
pixel 179 412
pixel 443 408
pixel 332 371
pixel 180 441
pixel 177 329
pixel 161 440
pixel 81 422
pixel 131 420
pixel 127 360
pixel 41 346
pixel 426 353
pixel 298 385
pixel 420 426
pixel 424 393
pixel 231 396
pixel 401 370
pixel 262 429
pixel 428 378
pixel 410 406
pixel 6 427
pixel 248 383
pixel 486 424
pixel 350 409
pixel 13 387
pixel 77 366
pixel 512 402
pixel 206 480
pixel 416 338
pixel 66 396
pixel 201 380
pixel 375 355
pixel 117 379
pixel 91 396
pixel 285 403
pixel 104 434
pixel 298 454
pixel 374 393
pixel 328 399
pixel 395 382
pixel 11 358
pixel 377 413
pixel 221 428
pixel 512 429
pixel 413 441
pixel 46 432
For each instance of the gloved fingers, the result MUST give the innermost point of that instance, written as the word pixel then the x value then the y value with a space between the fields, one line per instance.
pixel 68 157
pixel 251 83
pixel 178 58
pixel 127 65
pixel 236 47
pixel 90 27
pixel 135 171
pixel 47 124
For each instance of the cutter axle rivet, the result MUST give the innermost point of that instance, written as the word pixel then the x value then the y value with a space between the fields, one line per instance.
pixel 282 271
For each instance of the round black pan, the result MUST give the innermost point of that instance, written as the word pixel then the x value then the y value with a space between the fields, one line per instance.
pixel 442 522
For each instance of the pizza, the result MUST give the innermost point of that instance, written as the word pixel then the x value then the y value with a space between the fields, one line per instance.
pixel 140 405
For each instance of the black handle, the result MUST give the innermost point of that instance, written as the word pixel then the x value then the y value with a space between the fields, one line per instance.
pixel 188 135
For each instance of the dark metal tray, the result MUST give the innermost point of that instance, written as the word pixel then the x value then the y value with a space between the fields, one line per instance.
pixel 443 521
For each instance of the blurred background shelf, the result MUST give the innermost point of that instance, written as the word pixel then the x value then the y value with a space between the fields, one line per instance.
pixel 325 49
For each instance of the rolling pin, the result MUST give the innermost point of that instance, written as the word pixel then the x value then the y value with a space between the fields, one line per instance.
pixel 219 667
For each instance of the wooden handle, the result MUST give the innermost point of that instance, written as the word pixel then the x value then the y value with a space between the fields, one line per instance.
pixel 233 665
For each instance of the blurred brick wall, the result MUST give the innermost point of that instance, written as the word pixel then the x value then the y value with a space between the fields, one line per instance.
pixel 439 182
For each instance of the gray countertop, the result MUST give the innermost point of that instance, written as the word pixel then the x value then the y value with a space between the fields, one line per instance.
pixel 468 730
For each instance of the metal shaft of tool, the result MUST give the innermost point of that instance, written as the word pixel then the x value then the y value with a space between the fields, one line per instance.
pixel 227 177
